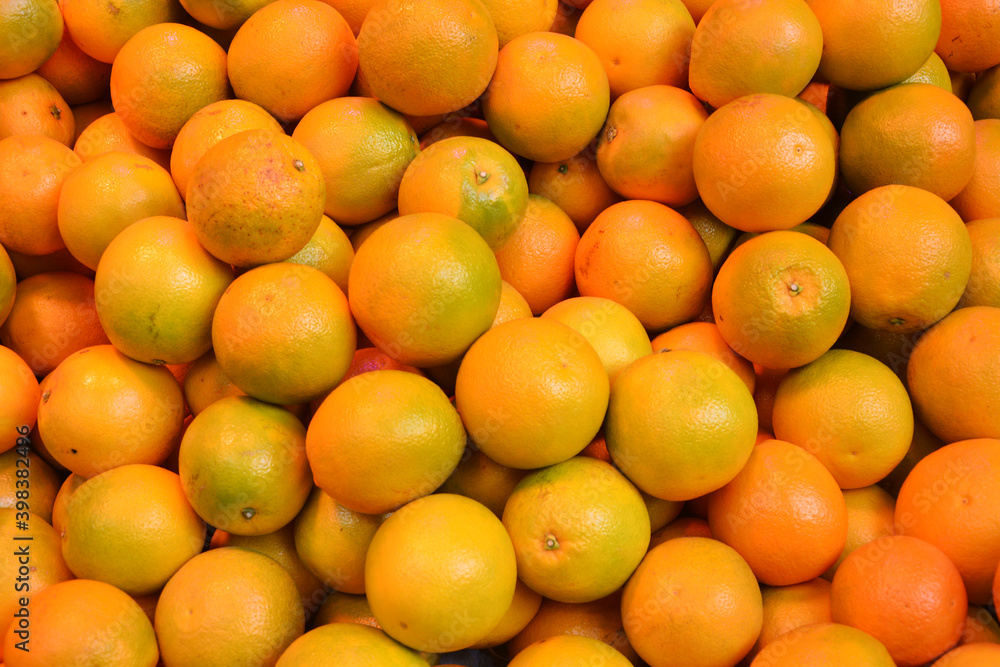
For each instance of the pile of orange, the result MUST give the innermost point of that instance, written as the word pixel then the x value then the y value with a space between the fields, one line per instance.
pixel 661 333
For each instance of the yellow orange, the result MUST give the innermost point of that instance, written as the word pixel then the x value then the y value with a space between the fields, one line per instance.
pixel 31 105
pixel 824 644
pixel 108 133
pixel 348 644
pixel 34 29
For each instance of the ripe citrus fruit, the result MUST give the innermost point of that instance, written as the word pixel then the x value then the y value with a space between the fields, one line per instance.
pixel 330 251
pixel 968 40
pixel 102 30
pixel 513 306
pixel 33 29
pixel 575 186
pixel 789 607
pixel 20 410
pixel 983 288
pixel 31 105
pixel 79 78
pixel 824 644
pixel 983 97
pixel 531 393
pixel 283 333
pixel 440 573
pixel 568 650
pixel 223 16
pixel 348 644
pixel 972 655
pixel 680 424
pixel 705 337
pixel 8 285
pixel 717 235
pixel 522 609
pixel 479 477
pixel 981 196
pixel 579 529
pixel 870 515
pixel 108 133
pixel 44 481
pixel 345 608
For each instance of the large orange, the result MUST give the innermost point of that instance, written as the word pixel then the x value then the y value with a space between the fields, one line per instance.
pixel 764 162
pixel 33 169
pixel 548 97
pixel 382 439
pixel 156 290
pixel 741 48
pixel 648 258
pixel 705 337
pixel 640 42
pixel 79 78
pixel 100 409
pixel 983 288
pixel 108 133
pixel 680 424
pixel 905 593
pixel 424 287
pixel 575 186
pixel 283 333
pixel 469 178
pixel 850 411
pixel 440 573
pixel 824 644
pixel 531 393
pixel 363 148
pixel 912 134
pixel 429 56
pixel 31 105
pixel 981 196
pixel 569 650
pixel 781 299
pixel 101 30
pixel 292 55
pixel 694 602
pixel 950 500
pixel 348 644
pixel 20 410
pixel 789 607
pixel 33 29
pixel 954 375
pixel 646 146
pixel 870 515
pixel 783 512
pixel 162 76
pixel 968 39
pixel 579 529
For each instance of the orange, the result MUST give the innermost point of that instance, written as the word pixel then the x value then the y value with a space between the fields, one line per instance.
pixel 692 601
pixel 382 439
pixel 705 337
pixel 205 383
pixel 20 410
pixel 202 615
pixel 870 515
pixel 31 105
pixel 348 644
pixel 538 258
pixel 85 114
pixel 105 195
pixel 574 185
pixel 84 620
pixel 33 29
pixel 424 287
pixel 362 232
pixel 162 76
pixel 224 16
pixel 8 286
pixel 932 71
pixel 330 251
pixel 648 258
pixel 764 162
pixel 980 627
pixel 243 466
pixel 363 148
pixel 513 306
pixel 32 171
pixel 156 290
pixel 521 611
pixel 968 39
pixel 912 134
pixel 954 375
pixel 680 424
pixel 108 133
pixel 354 11
pixel 983 288
pixel 791 318
pixel 101 30
pixel 54 315
pixel 824 644
pixel 646 146
pixel 513 18
pixel 332 542
pixel 79 78
pixel 479 477
pixel 973 655
pixel 131 527
pixel 783 512
pixel 272 221
pixel 869 44
pixel 850 411
pixel 615 334
pixel 685 526
pixel 892 348
pixel 345 608
pixel 789 607
pixel 440 573
pixel 207 127
pixel 981 196
pixel 291 55
pixel 283 333
pixel 742 48
pixel 429 56
pixel 983 97
pixel 472 179
pixel 44 482
pixel 66 491
pixel 905 593
pixel 569 650
pixel 949 499
pixel 717 235
pixel 456 125
pixel 924 442
pixel 531 393
pixel 579 529
pixel 639 42
pixel 548 98
pixel 365 360
pixel 101 409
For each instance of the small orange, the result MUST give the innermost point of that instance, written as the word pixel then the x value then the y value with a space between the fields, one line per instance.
pixel 348 644
pixel 479 477
pixel 870 515
pixel 31 105
pixel 789 607
pixel 101 30
pixel 932 71
pixel 340 607
pixel 574 185
pixel 363 148
pixel 705 337
pixel 924 442
pixel 538 258
pixel 824 644
pixel 983 98
pixel 685 526
pixel 456 125
pixel 291 55
pixel 892 348
pixel 330 251
pixel 32 172
pixel 472 179
pixel 205 383
pixel 980 627
pixel 512 306
pixel 33 29
pixel 646 146
pixel 514 18
pixel 108 133
pixel 256 197
pixel 85 114
pixel 79 78
pixel 905 593
pixel 689 597
pixel 366 360
pixel 680 424
pixel 162 76
pixel 569 650
pixel 548 97
pixel 45 481
pixel 354 11
pixel 981 196
pixel 972 655
pixel 522 609
pixel 223 16
pixel 8 286
pixel 968 40
pixel 429 56
pixel 717 235
pixel 20 410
